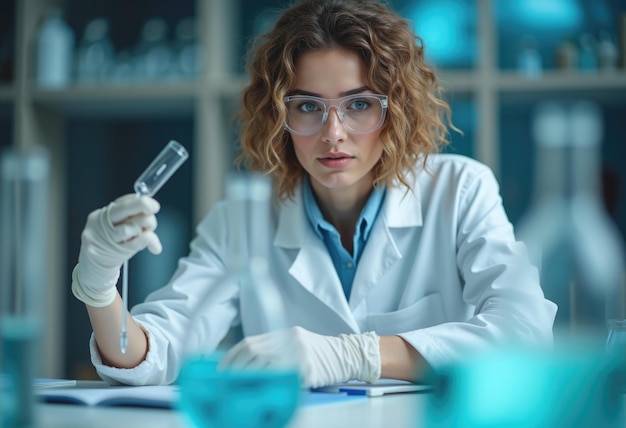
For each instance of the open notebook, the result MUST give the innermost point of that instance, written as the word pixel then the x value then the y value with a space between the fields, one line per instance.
pixel 164 397
pixel 167 396
pixel 160 397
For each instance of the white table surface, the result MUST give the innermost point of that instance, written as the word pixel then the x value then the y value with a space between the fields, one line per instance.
pixel 396 410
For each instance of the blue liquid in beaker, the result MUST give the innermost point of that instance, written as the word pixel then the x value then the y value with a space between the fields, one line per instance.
pixel 212 397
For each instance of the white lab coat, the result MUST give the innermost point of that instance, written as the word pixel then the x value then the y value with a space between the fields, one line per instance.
pixel 441 268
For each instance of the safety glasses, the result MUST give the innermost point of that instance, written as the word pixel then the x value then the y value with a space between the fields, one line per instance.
pixel 359 113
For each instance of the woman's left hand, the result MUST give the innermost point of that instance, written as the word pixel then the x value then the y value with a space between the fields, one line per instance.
pixel 321 360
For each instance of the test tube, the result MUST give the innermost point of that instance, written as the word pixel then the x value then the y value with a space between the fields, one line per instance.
pixel 161 169
pixel 149 182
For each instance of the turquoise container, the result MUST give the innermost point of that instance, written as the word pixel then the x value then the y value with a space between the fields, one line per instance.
pixel 211 398
pixel 516 388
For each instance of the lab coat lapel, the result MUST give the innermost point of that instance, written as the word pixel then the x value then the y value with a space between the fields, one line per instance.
pixel 400 210
pixel 312 266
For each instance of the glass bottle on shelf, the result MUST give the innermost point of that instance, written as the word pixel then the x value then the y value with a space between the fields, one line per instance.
pixel 608 54
pixel 187 51
pixel 213 395
pixel 529 61
pixel 54 50
pixel 96 54
pixel 567 230
pixel 153 55
pixel 124 68
pixel 587 58
pixel 567 56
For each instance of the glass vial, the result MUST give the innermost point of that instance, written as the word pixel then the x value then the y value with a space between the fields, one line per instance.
pixel 161 169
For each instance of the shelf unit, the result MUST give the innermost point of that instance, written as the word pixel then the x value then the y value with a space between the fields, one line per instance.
pixel 492 90
pixel 7 93
pixel 40 116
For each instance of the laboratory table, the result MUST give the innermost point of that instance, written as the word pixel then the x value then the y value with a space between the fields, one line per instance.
pixel 396 410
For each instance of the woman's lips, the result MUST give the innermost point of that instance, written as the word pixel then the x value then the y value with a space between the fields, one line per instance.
pixel 335 160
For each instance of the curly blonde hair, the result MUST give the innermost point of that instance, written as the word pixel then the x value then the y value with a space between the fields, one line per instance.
pixel 393 55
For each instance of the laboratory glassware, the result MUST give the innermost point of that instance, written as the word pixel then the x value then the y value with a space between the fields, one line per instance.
pixel 24 178
pixel 570 386
pixel 54 51
pixel 567 230
pixel 148 184
pixel 96 54
pixel 616 347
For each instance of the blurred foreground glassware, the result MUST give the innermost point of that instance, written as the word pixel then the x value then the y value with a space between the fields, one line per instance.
pixel 573 387
pixel 617 336
pixel 23 192
pixel 616 346
pixel 567 230
pixel 212 396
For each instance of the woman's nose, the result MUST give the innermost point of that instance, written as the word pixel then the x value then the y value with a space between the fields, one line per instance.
pixel 333 130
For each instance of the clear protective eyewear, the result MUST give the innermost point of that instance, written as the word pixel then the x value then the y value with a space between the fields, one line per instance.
pixel 359 113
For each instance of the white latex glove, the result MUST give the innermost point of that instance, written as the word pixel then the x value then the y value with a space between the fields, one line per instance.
pixel 322 360
pixel 112 235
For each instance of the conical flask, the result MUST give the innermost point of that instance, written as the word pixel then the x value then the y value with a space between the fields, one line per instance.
pixel 214 396
pixel 576 247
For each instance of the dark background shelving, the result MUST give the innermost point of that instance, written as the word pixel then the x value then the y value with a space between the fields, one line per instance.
pixel 103 135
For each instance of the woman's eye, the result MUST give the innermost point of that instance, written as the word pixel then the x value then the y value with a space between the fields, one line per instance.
pixel 359 105
pixel 307 107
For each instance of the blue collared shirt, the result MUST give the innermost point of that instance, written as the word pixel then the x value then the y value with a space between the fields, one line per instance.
pixel 345 263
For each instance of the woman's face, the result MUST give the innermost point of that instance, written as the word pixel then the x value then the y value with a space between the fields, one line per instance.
pixel 335 158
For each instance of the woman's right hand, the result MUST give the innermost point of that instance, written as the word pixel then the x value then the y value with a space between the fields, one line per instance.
pixel 112 235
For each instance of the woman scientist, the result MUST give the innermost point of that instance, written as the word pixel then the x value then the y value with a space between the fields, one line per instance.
pixel 391 258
